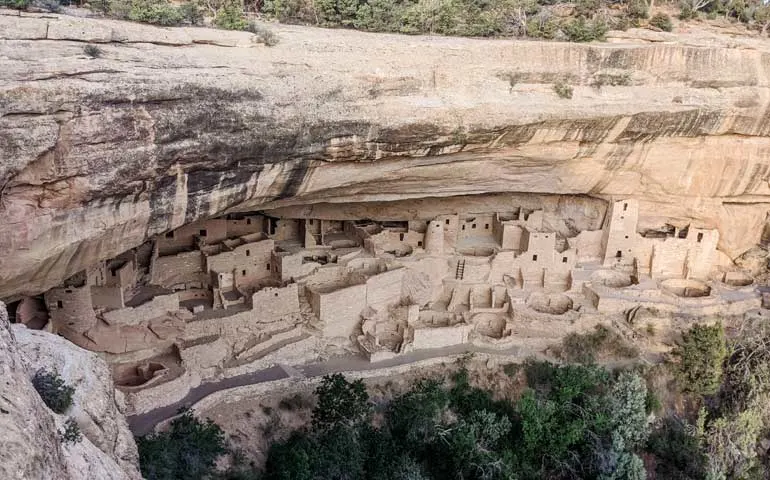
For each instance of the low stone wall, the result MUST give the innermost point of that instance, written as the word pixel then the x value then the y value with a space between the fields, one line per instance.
pixel 155 308
pixel 146 400
pixel 275 303
pixel 731 303
pixel 438 337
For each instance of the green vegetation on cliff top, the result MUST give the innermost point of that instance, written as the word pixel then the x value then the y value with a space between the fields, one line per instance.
pixel 578 21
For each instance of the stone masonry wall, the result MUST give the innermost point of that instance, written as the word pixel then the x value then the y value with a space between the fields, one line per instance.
pixel 157 307
pixel 273 303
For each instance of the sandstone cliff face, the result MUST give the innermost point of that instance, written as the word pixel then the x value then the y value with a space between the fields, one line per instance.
pixel 172 125
pixel 30 445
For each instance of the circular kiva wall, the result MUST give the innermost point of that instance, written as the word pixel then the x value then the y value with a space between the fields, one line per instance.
pixel 611 279
pixel 686 288
pixel 554 304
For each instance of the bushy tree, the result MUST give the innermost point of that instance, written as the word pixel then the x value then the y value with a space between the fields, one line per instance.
pixel 340 402
pixel 158 12
pixel 627 409
pixel 662 21
pixel 579 423
pixel 230 15
pixel 414 416
pixel 56 394
pixel 701 355
pixel 15 4
pixel 188 449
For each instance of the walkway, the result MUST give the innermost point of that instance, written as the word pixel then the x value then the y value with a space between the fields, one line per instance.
pixel 144 423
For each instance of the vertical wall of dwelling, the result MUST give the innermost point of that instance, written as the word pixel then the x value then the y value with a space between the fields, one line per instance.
pixel 186 237
pixel 71 308
pixel 434 238
pixel 312 232
pixel 245 226
pixel 619 238
pixel 451 225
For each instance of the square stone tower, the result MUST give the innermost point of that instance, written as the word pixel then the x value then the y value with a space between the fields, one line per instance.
pixel 619 237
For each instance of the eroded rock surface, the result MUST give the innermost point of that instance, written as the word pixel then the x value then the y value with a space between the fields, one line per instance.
pixel 172 125
pixel 31 444
pixel 95 408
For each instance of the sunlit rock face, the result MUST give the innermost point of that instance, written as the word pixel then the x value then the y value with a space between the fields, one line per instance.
pixel 99 154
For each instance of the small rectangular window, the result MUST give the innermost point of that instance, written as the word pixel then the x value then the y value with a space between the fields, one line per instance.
pixel 268 267
pixel 310 221
pixel 243 273
pixel 625 207
pixel 202 232
pixel 248 221
pixel 248 253
pixel 563 259
pixel 534 258
pixel 419 244
pixel 463 227
pixel 700 237
pixel 486 226
pixel 59 304
pixel 473 226
pixel 618 254
pixel 401 237
pixel 170 234
pixel 447 221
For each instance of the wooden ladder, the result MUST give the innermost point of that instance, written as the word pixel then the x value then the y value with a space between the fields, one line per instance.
pixel 460 271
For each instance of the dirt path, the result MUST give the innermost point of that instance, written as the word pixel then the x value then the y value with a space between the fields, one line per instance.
pixel 144 423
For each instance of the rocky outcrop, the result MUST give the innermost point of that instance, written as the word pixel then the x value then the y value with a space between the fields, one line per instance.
pixel 171 125
pixel 95 407
pixel 31 443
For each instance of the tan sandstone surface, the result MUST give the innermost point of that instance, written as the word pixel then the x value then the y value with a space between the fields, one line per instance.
pixel 170 125
pixel 31 447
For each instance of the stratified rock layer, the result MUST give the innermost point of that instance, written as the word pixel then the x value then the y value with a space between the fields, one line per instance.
pixel 172 125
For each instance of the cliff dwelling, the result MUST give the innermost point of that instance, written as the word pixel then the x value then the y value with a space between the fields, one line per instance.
pixel 233 294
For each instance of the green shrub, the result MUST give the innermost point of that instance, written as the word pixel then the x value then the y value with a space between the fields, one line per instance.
pixel 562 90
pixel 191 13
pixel 652 403
pixel 582 30
pixel 92 51
pixel 189 449
pixel 56 394
pixel 263 34
pixel 337 12
pixel 587 8
pixel 701 356
pixel 542 26
pixel 686 11
pixel 157 12
pixel 71 433
pixel 583 348
pixel 15 4
pixel 677 451
pixel 340 402
pixel 637 9
pixel 662 21
pixel 230 16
